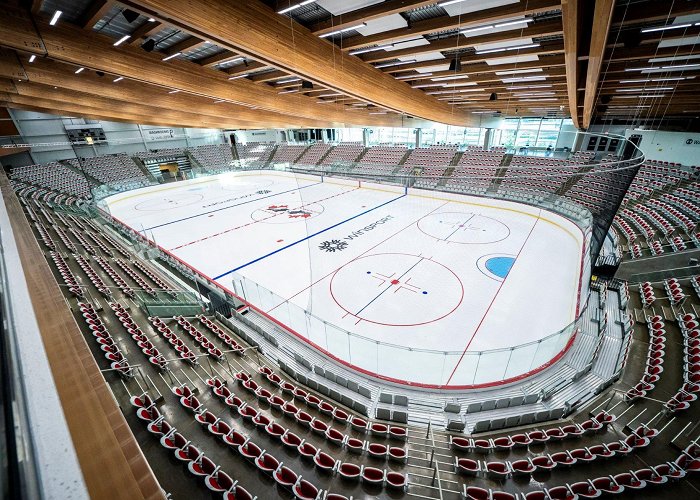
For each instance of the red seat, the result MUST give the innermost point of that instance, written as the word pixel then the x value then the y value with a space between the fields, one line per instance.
pixel 398 433
pixel 289 409
pixel 219 428
pixel 607 486
pixel 503 443
pixel 340 415
pixel 522 467
pixel 261 420
pixel 318 426
pixel 290 439
pixel 359 424
pixel 349 471
pixel 249 450
pixel 205 418
pixel 173 440
pixel 275 430
pixel 585 489
pixel 307 450
pixel 467 466
pixel 335 436
pixel 460 443
pixel 633 481
pixel 379 429
pixel 582 455
pixel 355 445
pixel 563 458
pixel 275 401
pixel 203 466
pixel 324 461
pixel 267 463
pixel 602 451
pixel 497 470
pixel 372 475
pixel 304 490
pixel 187 453
pixel 670 471
pixel 397 454
pixel 477 493
pixel 303 418
pixel 247 412
pixel 285 476
pixel 395 480
pixel 234 438
pixel 543 462
pixel 238 493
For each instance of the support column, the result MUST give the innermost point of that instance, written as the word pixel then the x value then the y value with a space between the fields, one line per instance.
pixel 487 138
pixel 419 137
pixel 365 137
pixel 578 141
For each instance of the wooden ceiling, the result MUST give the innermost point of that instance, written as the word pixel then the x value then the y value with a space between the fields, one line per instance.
pixel 333 63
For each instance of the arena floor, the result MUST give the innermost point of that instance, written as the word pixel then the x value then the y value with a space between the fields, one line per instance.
pixel 421 280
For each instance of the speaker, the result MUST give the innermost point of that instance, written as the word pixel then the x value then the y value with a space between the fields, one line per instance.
pixel 455 64
pixel 130 15
pixel 149 45
pixel 605 99
pixel 100 73
pixel 493 96
pixel 307 85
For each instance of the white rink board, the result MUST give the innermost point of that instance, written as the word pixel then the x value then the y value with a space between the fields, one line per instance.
pixel 423 270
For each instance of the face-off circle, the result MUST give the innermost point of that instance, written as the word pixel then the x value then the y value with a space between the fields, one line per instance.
pixel 465 228
pixel 395 289
pixel 168 202
pixel 287 212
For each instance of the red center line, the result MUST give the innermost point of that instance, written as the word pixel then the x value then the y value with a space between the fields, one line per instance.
pixel 351 260
pixel 493 300
pixel 259 220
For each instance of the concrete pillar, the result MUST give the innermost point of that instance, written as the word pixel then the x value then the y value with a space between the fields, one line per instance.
pixel 365 137
pixel 488 137
pixel 419 137
pixel 578 141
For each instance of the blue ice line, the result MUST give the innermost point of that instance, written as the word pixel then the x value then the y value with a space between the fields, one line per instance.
pixel 230 206
pixel 308 237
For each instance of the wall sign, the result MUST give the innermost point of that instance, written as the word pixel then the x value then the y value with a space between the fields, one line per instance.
pixel 692 142
pixel 159 134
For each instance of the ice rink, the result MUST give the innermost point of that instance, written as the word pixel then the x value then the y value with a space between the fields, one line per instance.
pixel 379 269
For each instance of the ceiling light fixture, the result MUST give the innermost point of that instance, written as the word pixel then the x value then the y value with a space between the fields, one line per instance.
pixel 118 79
pixel 517 47
pixel 399 63
pixel 171 56
pixel 475 30
pixel 79 70
pixel 522 87
pixel 650 89
pixel 174 91
pixel 289 80
pixel 337 32
pixel 122 40
pixel 370 49
pixel 413 77
pixel 31 58
pixel 513 23
pixel 295 6
pixel 646 96
pixel 449 2
pixel 662 28
pixel 151 20
pixel 288 91
pixel 219 101
pixel 55 17
pixel 236 77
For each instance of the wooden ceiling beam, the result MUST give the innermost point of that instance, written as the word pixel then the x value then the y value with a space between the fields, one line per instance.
pixel 254 28
pixel 187 45
pixel 370 13
pixel 60 75
pixel 95 12
pixel 93 101
pixel 571 19
pixel 447 23
pixel 250 67
pixel 547 28
pixel 602 18
pixel 146 30
pixel 211 61
pixel 95 51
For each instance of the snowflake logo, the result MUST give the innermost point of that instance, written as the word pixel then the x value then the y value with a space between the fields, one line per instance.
pixel 333 245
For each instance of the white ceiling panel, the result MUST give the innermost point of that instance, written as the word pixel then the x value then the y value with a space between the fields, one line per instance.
pixel 512 60
pixel 491 30
pixel 337 7
pixel 677 42
pixel 507 43
pixel 691 18
pixel 429 56
pixel 432 69
pixel 468 6
pixel 386 23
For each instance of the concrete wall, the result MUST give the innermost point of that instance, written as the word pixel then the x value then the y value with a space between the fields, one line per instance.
pixel 48 132
pixel 677 147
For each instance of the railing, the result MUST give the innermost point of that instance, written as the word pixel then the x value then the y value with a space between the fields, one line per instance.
pixel 397 363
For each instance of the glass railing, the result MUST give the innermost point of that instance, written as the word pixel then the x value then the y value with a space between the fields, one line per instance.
pixel 396 362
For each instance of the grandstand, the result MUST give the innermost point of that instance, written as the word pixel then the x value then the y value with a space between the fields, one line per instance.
pixel 330 249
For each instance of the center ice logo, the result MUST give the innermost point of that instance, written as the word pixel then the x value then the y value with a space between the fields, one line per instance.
pixel 292 214
pixel 333 245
